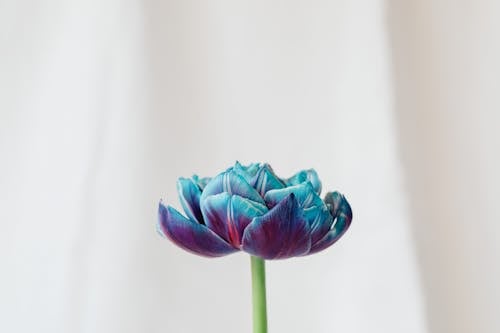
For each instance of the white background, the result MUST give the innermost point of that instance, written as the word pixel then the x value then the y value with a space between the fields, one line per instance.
pixel 103 104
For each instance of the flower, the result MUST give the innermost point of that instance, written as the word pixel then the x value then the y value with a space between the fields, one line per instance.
pixel 251 209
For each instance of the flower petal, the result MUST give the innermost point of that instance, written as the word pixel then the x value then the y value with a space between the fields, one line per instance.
pixel 304 192
pixel 232 183
pixel 201 182
pixel 190 235
pixel 304 176
pixel 189 195
pixel 320 220
pixel 246 171
pixel 266 180
pixel 342 214
pixel 279 234
pixel 228 215
pixel 334 201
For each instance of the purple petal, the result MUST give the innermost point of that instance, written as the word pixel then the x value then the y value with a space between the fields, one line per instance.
pixel 190 235
pixel 189 195
pixel 342 214
pixel 228 215
pixel 232 183
pixel 279 234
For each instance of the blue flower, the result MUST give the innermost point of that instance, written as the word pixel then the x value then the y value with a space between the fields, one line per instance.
pixel 249 208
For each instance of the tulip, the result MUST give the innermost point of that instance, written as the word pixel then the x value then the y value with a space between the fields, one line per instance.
pixel 250 209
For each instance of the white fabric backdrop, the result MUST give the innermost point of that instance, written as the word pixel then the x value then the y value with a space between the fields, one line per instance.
pixel 447 79
pixel 105 103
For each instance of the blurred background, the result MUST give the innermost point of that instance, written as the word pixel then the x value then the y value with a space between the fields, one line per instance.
pixel 103 104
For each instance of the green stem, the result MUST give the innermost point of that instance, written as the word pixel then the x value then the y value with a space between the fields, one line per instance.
pixel 259 295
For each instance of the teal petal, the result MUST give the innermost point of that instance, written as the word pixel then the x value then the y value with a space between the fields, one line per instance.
pixel 232 183
pixel 265 180
pixel 320 220
pixel 228 215
pixel 342 214
pixel 305 176
pixel 189 195
pixel 251 169
pixel 304 192
pixel 201 182
pixel 248 172
pixel 336 202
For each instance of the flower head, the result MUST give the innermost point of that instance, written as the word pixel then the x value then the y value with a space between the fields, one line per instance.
pixel 249 208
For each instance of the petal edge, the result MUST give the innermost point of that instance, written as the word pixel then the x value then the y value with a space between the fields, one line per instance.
pixel 191 236
pixel 342 214
pixel 189 196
